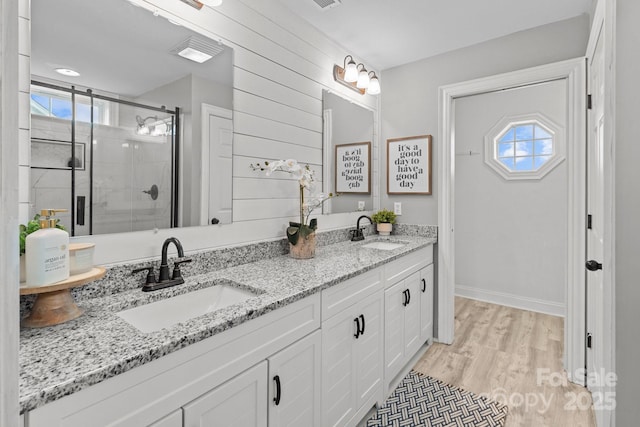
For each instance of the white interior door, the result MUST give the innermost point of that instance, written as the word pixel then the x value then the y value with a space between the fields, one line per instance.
pixel 217 165
pixel 595 342
pixel 511 234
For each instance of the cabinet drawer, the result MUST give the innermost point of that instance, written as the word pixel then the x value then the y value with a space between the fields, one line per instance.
pixel 343 295
pixel 403 267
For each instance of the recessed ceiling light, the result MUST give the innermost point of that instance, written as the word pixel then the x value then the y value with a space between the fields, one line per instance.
pixel 194 55
pixel 67 72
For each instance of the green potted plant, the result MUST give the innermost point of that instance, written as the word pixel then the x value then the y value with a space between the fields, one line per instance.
pixel 384 219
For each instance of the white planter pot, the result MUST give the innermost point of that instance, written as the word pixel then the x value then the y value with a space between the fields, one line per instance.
pixel 384 228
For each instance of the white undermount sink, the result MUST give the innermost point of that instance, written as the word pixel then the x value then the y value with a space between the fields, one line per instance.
pixel 167 312
pixel 384 245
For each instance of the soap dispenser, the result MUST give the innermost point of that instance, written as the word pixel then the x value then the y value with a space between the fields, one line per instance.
pixel 47 252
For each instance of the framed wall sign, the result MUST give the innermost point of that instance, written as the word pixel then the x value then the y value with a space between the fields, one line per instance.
pixel 353 168
pixel 409 165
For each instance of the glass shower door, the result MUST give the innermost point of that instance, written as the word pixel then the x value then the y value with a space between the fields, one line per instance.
pixel 133 171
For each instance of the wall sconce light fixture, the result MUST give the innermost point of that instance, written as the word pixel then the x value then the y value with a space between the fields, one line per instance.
pixel 154 128
pixel 356 77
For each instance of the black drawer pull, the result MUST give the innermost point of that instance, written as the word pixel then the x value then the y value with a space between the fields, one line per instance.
pixel 362 318
pixel 276 399
pixel 424 285
pixel 357 334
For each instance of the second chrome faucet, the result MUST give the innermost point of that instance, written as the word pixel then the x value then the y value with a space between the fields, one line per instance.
pixel 164 281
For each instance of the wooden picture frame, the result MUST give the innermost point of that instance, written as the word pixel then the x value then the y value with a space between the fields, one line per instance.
pixel 55 154
pixel 409 163
pixel 353 168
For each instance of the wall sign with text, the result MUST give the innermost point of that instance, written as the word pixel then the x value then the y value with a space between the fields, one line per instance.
pixel 353 168
pixel 409 165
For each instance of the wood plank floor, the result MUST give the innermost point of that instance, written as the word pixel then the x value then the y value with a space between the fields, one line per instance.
pixel 514 357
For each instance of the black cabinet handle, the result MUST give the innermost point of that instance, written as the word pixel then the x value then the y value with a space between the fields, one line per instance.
pixel 424 285
pixel 357 334
pixel 593 265
pixel 406 297
pixel 362 318
pixel 276 399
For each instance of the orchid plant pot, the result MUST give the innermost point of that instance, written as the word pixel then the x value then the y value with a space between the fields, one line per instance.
pixel 305 247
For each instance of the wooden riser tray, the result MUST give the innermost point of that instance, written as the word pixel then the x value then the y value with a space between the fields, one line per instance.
pixel 54 303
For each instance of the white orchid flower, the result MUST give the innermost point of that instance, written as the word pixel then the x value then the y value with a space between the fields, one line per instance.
pixel 291 163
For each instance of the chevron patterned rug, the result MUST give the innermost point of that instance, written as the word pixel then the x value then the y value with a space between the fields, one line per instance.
pixel 420 400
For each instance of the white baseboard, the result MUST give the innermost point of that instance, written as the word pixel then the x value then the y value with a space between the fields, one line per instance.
pixel 510 300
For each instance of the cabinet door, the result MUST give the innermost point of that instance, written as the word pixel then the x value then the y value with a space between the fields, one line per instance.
pixel 294 393
pixel 394 298
pixel 368 350
pixel 412 316
pixel 240 402
pixel 338 376
pixel 174 419
pixel 426 303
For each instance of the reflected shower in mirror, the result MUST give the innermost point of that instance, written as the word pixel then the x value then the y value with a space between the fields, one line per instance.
pixel 348 132
pixel 130 130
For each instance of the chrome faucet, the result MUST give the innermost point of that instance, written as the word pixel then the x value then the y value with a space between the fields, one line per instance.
pixel 357 234
pixel 151 284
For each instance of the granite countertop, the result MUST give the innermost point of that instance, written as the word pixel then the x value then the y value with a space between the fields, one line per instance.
pixel 59 360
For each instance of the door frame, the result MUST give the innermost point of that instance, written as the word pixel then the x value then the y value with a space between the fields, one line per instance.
pixel 573 71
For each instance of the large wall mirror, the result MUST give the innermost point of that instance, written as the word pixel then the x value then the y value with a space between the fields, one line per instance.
pixel 142 138
pixel 348 141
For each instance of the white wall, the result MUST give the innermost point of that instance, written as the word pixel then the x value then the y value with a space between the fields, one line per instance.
pixel 409 103
pixel 281 65
pixel 627 209
pixel 9 159
pixel 510 234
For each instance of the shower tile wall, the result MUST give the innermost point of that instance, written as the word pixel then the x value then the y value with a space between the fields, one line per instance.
pixel 125 165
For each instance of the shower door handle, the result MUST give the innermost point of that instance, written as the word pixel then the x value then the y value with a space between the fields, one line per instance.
pixel 80 201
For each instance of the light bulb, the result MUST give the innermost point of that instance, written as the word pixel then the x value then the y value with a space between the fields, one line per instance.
pixel 363 79
pixel 351 72
pixel 374 85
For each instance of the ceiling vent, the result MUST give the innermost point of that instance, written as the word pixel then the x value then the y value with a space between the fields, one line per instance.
pixel 327 4
pixel 197 49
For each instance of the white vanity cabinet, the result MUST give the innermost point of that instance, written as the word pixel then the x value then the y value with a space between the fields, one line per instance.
pixel 402 323
pixel 426 303
pixel 294 389
pixel 174 419
pixel 240 402
pixel 352 336
pixel 323 361
pixel 282 391
pixel 194 379
pixel 408 312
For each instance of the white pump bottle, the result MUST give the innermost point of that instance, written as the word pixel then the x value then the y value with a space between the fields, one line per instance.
pixel 47 252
